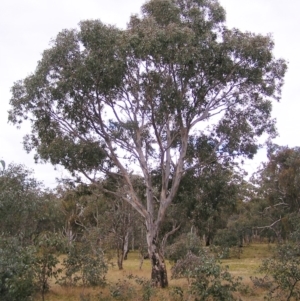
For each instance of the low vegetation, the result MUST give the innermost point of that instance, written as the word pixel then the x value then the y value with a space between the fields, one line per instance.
pixel 131 283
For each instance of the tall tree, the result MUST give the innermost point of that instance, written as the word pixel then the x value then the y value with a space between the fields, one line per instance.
pixel 106 100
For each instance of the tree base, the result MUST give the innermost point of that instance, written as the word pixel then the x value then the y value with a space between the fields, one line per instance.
pixel 159 275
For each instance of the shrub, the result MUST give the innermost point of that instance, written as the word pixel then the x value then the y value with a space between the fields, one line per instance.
pixel 207 279
pixel 49 246
pixel 284 269
pixel 186 243
pixel 228 241
pixel 147 288
pixel 16 270
pixel 122 290
pixel 84 265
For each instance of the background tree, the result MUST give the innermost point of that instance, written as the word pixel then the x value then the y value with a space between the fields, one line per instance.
pixel 278 188
pixel 20 202
pixel 28 257
pixel 99 218
pixel 209 196
pixel 109 100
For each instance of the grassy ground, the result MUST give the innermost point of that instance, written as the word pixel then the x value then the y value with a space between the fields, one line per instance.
pixel 245 267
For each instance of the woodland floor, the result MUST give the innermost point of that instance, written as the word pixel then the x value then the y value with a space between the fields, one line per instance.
pixel 244 267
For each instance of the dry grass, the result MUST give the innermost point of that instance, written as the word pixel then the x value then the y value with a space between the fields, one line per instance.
pixel 245 267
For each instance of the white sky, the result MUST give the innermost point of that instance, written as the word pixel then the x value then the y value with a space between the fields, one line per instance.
pixel 27 26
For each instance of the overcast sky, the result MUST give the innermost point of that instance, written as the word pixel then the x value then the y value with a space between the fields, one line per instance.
pixel 27 26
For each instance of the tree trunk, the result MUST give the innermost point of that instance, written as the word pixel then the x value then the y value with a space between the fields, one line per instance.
pixel 159 275
pixel 207 240
pixel 120 258
pixel 132 241
pixel 125 247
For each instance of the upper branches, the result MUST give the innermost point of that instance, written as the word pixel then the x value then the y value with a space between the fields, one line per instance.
pixel 104 99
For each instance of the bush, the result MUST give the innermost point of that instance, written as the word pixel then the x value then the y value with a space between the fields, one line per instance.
pixel 122 290
pixel 207 279
pixel 284 269
pixel 84 265
pixel 49 246
pixel 16 270
pixel 186 243
pixel 229 242
pixel 226 238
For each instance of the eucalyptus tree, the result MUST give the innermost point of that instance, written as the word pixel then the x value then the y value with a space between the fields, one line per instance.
pixel 278 184
pixel 208 197
pixel 106 100
pixel 21 200
pixel 280 177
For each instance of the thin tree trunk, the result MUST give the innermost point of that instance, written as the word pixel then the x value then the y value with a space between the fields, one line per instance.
pixel 120 259
pixel 142 259
pixel 132 241
pixel 207 240
pixel 125 247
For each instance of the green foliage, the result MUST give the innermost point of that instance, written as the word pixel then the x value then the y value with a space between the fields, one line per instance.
pixel 186 243
pixel 17 277
pixel 278 185
pixel 93 215
pixel 294 223
pixel 49 247
pixel 196 69
pixel 148 290
pixel 104 99
pixel 208 197
pixel 284 270
pixel 228 241
pixel 176 293
pixel 84 265
pixel 127 289
pixel 122 290
pixel 281 177
pixel 207 279
pixel 226 238
pixel 20 202
pixel 26 270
